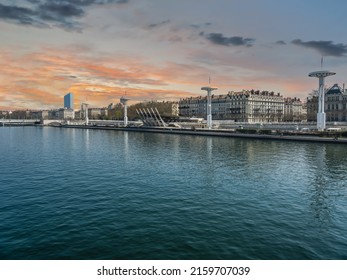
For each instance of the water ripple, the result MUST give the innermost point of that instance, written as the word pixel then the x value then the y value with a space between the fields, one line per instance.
pixel 79 194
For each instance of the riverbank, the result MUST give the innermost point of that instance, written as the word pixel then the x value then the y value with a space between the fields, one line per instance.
pixel 218 133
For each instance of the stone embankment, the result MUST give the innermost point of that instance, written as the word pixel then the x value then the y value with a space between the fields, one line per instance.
pixel 301 137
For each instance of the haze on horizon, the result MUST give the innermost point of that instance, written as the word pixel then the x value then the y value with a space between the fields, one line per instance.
pixel 164 50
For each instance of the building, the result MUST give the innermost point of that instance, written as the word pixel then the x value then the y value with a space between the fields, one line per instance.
pixel 335 105
pixel 68 101
pixel 42 115
pixel 97 113
pixel 312 108
pixel 66 114
pixel 251 106
pixel 293 110
pixel 61 114
pixel 173 109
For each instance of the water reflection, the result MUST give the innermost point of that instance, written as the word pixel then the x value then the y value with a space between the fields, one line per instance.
pixel 209 149
pixel 126 146
pixel 210 164
pixel 328 166
pixel 319 201
pixel 283 171
pixel 86 140
pixel 336 160
pixel 225 198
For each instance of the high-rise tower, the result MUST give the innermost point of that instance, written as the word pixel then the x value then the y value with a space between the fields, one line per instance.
pixel 68 101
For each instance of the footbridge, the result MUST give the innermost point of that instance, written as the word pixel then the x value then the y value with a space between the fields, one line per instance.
pixel 18 122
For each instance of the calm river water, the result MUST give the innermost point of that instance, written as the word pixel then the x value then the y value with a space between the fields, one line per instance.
pixel 94 194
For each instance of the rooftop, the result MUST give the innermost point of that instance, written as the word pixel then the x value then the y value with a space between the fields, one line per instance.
pixel 335 89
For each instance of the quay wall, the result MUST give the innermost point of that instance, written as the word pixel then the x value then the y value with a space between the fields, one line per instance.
pixel 218 133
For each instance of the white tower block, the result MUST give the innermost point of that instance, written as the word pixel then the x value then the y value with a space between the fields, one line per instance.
pixel 321 114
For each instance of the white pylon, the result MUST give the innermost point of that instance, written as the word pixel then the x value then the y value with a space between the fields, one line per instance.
pixel 209 89
pixel 321 114
pixel 124 101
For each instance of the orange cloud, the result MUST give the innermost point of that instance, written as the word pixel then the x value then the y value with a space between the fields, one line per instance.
pixel 40 79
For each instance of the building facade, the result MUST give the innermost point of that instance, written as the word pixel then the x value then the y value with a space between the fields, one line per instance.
pixel 61 114
pixel 174 111
pixel 42 115
pixel 65 114
pixel 251 106
pixel 68 101
pixel 97 113
pixel 293 110
pixel 335 105
pixel 312 108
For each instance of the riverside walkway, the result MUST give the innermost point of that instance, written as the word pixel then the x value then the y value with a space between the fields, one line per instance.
pixel 219 133
pixel 18 122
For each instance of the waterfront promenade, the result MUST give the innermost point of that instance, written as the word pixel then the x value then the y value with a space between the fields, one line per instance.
pixel 18 122
pixel 220 133
pixel 279 132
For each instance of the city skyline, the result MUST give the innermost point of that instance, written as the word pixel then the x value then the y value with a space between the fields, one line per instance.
pixel 163 50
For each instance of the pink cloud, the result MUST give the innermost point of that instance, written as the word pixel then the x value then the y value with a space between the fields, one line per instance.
pixel 42 78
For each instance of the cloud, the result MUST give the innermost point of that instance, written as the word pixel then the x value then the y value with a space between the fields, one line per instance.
pixel 325 48
pixel 51 13
pixel 280 42
pixel 101 79
pixel 122 1
pixel 56 10
pixel 18 14
pixel 159 24
pixel 206 24
pixel 220 39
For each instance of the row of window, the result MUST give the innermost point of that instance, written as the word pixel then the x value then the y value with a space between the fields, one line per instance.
pixel 336 98
pixel 335 106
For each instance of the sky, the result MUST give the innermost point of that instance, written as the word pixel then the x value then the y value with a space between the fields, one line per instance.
pixel 101 50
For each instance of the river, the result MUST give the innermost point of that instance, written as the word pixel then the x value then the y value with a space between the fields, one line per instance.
pixel 95 194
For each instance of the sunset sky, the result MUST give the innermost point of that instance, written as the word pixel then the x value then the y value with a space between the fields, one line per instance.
pixel 165 50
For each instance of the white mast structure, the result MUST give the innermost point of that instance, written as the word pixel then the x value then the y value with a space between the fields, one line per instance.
pixel 209 89
pixel 124 101
pixel 321 114
pixel 85 107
